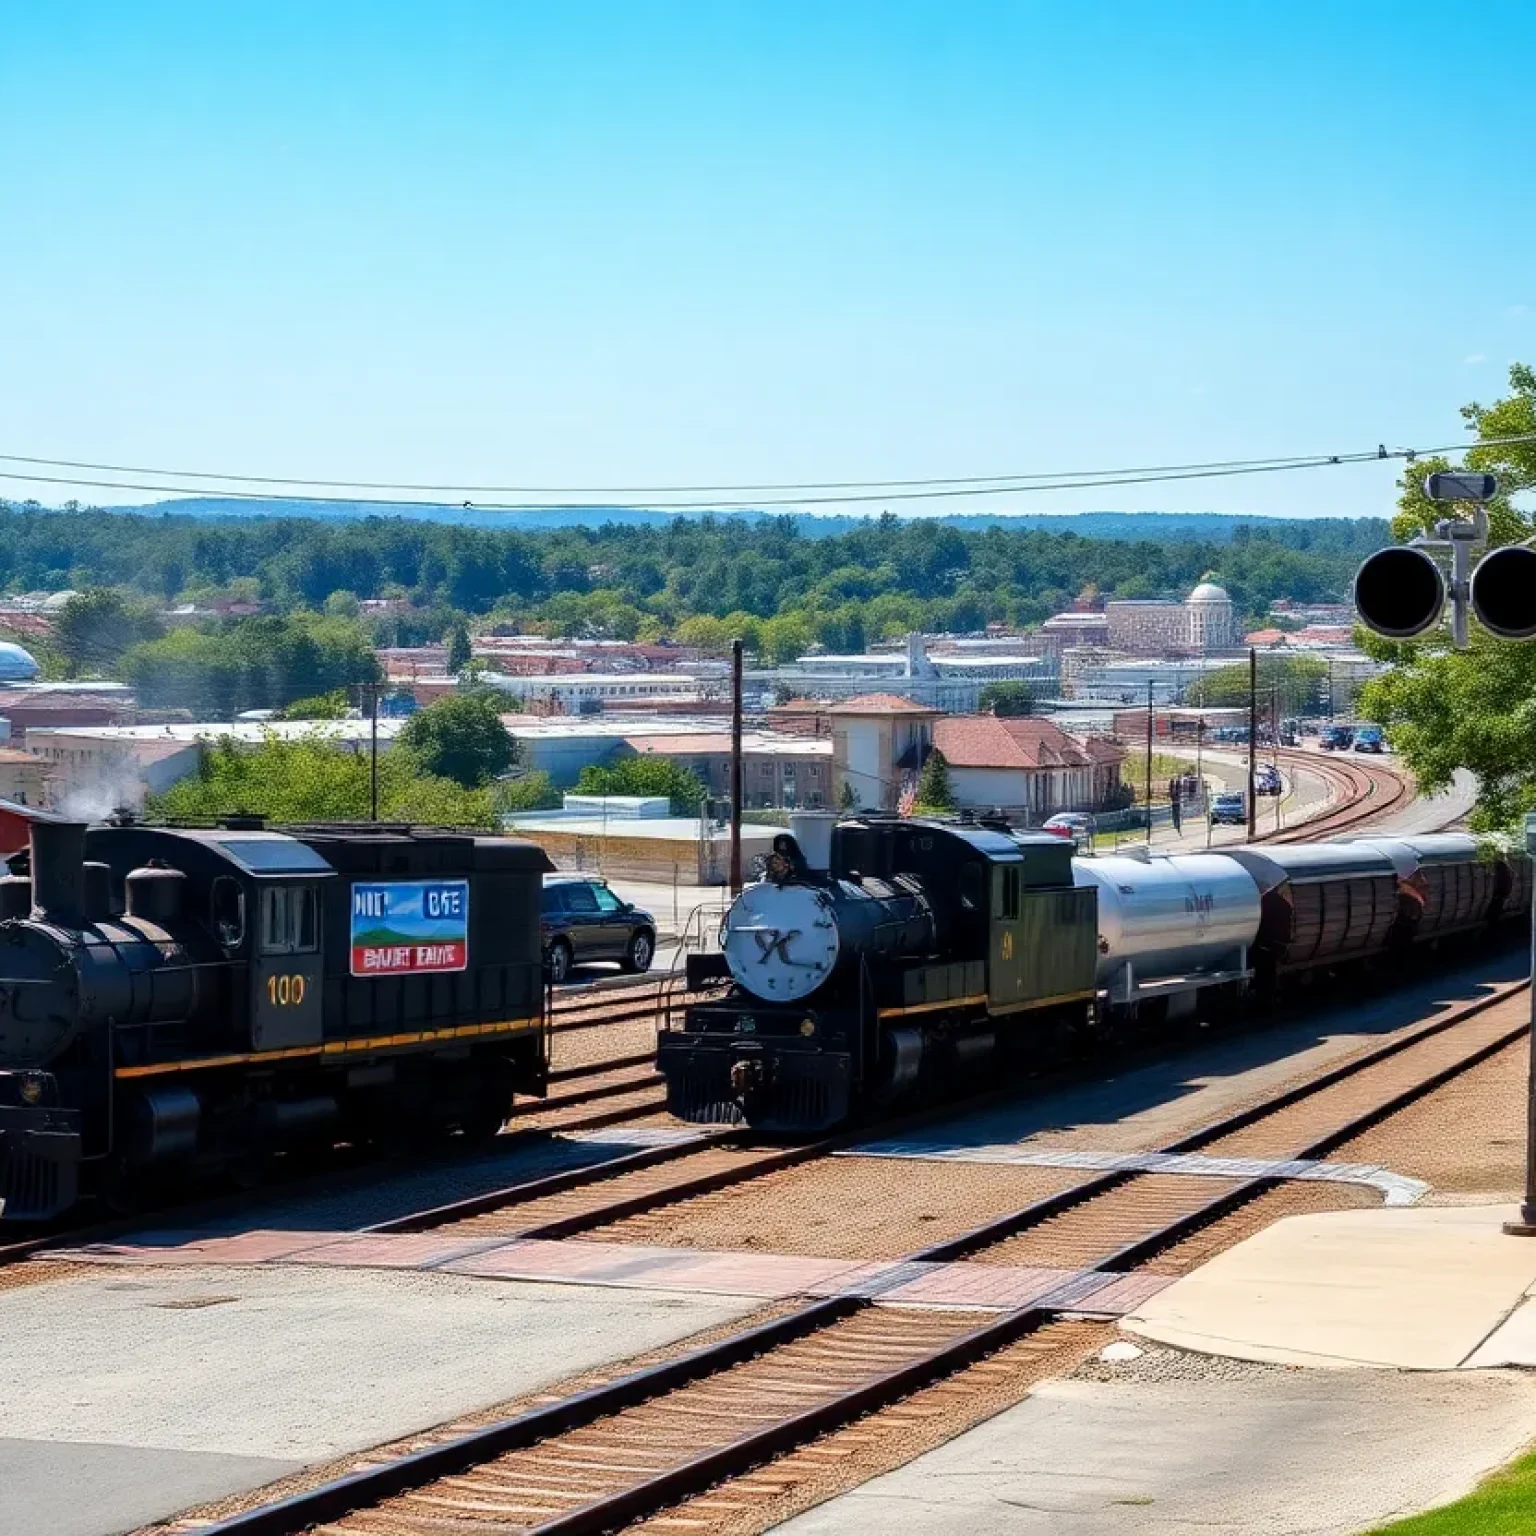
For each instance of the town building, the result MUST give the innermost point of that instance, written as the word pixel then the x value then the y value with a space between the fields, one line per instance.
pixel 777 769
pixel 951 680
pixel 23 778
pixel 879 743
pixel 1066 631
pixel 1204 622
pixel 1027 766
pixel 1177 724
pixel 573 692
pixel 26 708
pixel 637 838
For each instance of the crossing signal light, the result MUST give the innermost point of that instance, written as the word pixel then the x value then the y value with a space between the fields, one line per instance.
pixel 1504 592
pixel 1399 592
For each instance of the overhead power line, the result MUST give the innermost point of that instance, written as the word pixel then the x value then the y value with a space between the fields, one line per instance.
pixel 644 490
pixel 843 493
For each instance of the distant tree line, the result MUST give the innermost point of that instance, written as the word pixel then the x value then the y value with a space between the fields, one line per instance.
pixel 702 581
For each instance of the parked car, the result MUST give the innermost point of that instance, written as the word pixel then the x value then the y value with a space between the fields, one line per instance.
pixel 1336 738
pixel 1230 809
pixel 583 920
pixel 1267 781
pixel 1073 824
pixel 1369 738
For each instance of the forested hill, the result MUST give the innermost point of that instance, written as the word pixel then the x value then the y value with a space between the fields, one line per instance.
pixel 877 579
pixel 1157 527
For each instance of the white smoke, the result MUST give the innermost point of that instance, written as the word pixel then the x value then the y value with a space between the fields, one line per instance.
pixel 95 795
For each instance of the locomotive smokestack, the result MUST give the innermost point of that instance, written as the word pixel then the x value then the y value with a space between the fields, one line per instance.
pixel 58 870
pixel 813 831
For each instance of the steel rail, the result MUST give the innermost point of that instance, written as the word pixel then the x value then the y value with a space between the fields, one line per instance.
pixel 340 1497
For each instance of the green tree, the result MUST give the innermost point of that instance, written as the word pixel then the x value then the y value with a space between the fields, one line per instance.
pixel 705 632
pixel 847 796
pixel 531 792
pixel 254 663
pixel 785 637
pixel 1472 709
pixel 459 653
pixel 1009 698
pixel 652 776
pixel 934 791
pixel 460 737
pixel 312 778
pixel 95 627
pixel 325 706
pixel 1298 685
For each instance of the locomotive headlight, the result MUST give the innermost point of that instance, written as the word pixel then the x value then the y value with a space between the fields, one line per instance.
pixel 31 1090
pixel 807 1027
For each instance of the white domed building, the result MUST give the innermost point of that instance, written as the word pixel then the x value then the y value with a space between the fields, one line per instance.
pixel 1212 624
pixel 1202 623
pixel 17 665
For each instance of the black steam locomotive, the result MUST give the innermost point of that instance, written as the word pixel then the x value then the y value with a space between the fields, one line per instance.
pixel 176 1000
pixel 881 956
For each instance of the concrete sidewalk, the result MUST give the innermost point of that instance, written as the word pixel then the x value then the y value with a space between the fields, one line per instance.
pixel 1427 1288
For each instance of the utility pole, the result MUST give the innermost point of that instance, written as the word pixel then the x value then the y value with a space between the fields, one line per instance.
pixel 1253 739
pixel 1149 760
pixel 373 749
pixel 736 775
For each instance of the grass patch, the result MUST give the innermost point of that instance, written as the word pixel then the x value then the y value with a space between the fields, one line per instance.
pixel 1505 1505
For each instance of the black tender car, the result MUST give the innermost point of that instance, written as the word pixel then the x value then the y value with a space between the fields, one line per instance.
pixel 584 921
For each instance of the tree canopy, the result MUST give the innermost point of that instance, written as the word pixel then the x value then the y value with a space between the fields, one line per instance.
pixel 1007 698
pixel 1473 709
pixel 935 793
pixel 460 737
pixel 767 580
pixel 96 626
pixel 1297 684
pixel 312 778
pixel 265 662
pixel 645 776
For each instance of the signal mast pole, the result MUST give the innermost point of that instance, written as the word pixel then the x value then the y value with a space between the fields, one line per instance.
pixel 1400 592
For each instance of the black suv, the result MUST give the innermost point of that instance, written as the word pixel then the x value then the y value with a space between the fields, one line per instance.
pixel 583 920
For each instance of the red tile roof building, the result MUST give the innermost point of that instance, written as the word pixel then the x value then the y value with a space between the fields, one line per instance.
pixel 1027 763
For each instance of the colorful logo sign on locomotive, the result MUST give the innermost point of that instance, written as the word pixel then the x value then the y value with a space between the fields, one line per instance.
pixel 406 927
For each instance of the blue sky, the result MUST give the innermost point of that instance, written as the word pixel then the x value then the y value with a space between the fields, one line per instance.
pixel 642 244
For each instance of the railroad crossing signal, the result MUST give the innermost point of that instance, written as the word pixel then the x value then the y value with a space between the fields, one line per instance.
pixel 1402 592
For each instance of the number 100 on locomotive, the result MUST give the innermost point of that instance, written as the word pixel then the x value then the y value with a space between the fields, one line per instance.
pixel 404 927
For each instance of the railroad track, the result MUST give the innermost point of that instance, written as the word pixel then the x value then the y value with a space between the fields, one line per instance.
pixel 592 1096
pixel 711 1425
pixel 1366 792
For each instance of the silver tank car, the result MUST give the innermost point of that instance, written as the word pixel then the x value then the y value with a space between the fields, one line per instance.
pixel 1170 922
